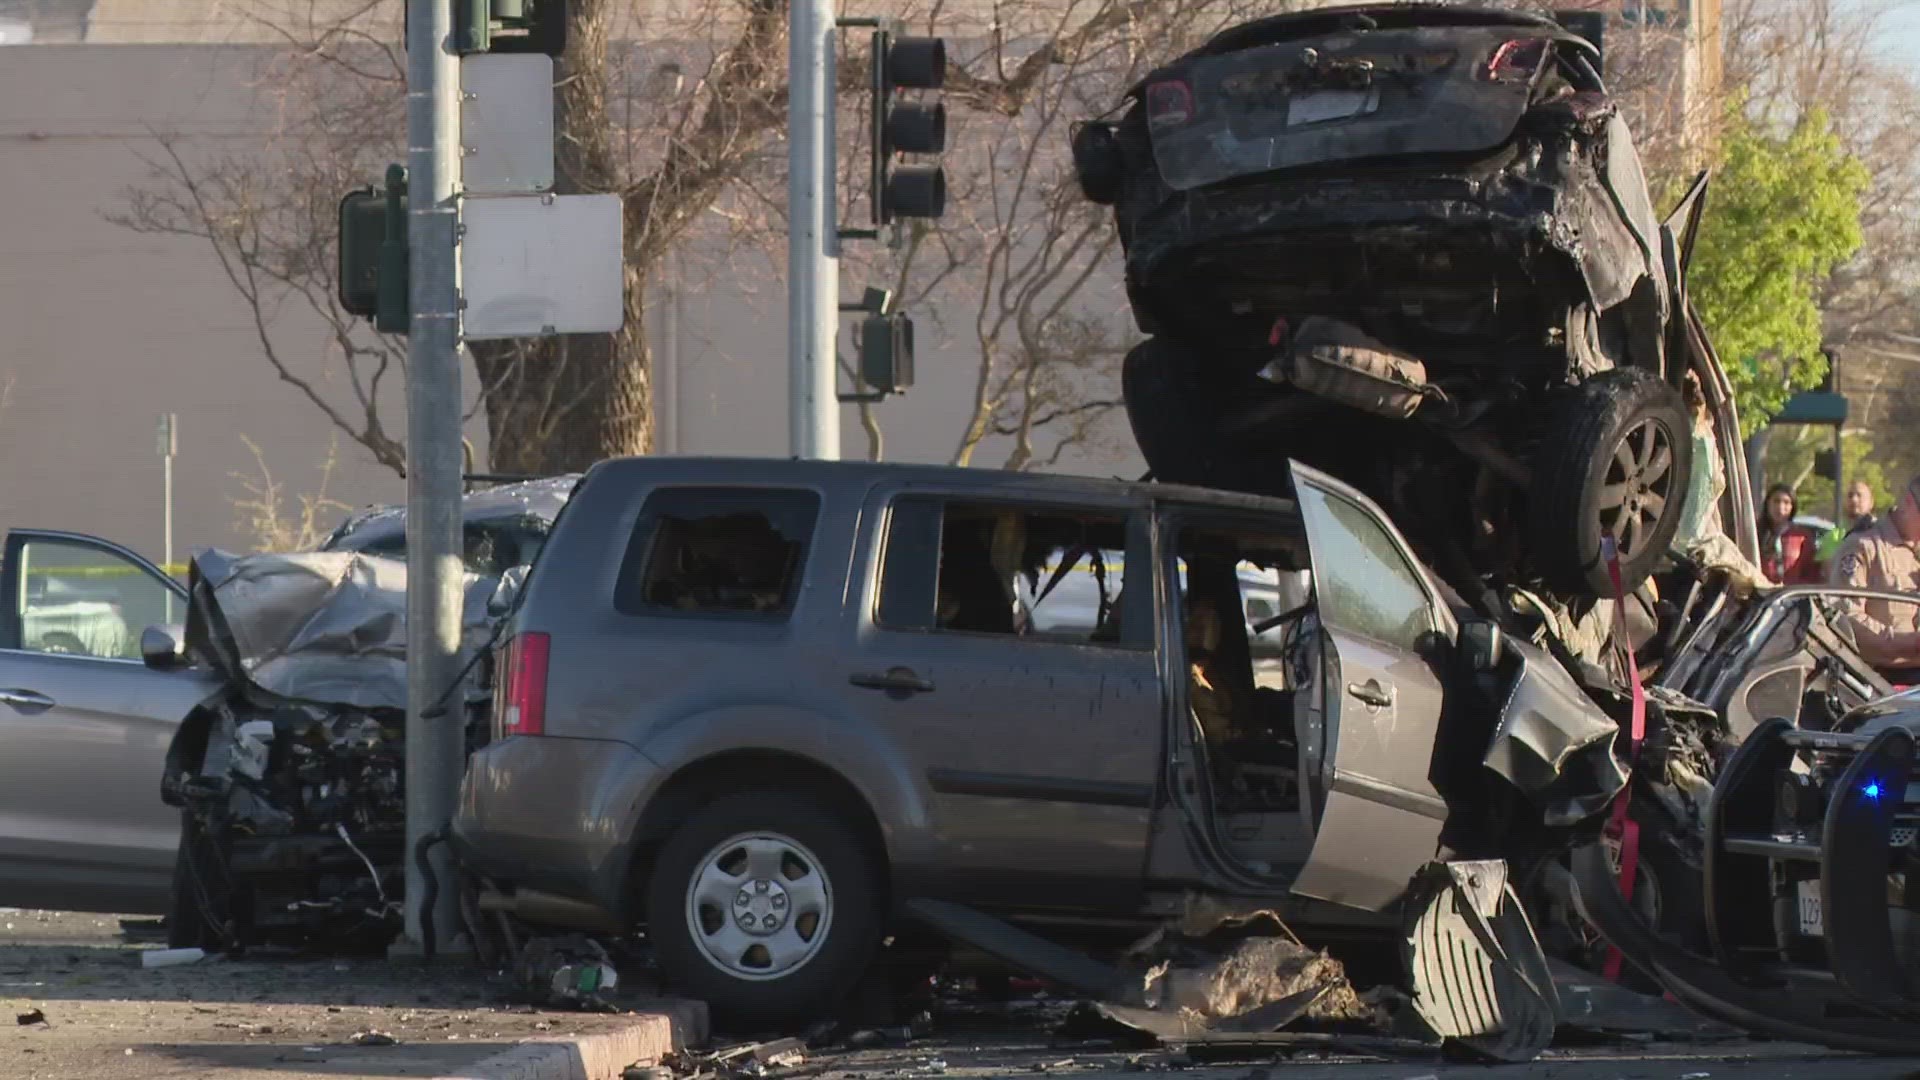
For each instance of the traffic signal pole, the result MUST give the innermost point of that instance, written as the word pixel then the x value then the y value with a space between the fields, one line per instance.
pixel 435 745
pixel 813 268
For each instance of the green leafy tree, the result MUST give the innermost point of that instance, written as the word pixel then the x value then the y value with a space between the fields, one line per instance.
pixel 1784 211
pixel 1790 461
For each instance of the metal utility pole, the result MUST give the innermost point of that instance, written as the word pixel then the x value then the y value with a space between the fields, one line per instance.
pixel 434 745
pixel 813 247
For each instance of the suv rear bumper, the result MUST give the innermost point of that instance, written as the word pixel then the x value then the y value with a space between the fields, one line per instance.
pixel 556 815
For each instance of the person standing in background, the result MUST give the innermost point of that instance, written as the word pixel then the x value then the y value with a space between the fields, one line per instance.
pixel 1859 518
pixel 1886 557
pixel 1787 551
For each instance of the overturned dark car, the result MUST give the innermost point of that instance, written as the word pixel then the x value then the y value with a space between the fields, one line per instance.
pixel 1413 246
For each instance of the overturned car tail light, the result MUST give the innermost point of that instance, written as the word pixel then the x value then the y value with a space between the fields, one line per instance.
pixel 1169 104
pixel 1516 61
pixel 521 705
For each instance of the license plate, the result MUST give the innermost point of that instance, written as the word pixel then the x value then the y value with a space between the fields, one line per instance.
pixel 1811 924
pixel 1315 106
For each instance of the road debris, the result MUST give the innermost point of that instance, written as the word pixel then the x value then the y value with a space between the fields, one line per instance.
pixel 32 1017
pixel 373 1038
pixel 570 972
pixel 164 958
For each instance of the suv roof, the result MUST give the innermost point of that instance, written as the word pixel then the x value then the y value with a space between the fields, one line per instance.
pixel 734 471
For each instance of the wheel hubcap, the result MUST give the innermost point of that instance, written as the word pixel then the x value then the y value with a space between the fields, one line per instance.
pixel 759 906
pixel 1639 482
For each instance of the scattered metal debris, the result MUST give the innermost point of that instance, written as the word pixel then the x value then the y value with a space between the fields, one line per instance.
pixel 373 1038
pixel 1589 1005
pixel 570 972
pixel 164 958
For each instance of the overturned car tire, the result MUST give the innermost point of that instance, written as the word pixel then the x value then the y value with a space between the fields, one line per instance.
pixel 1615 463
pixel 765 906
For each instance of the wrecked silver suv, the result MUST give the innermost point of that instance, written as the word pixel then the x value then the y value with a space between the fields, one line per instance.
pixel 772 711
pixel 1412 245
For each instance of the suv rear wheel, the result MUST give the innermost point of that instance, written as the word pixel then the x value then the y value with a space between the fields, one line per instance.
pixel 1615 464
pixel 765 906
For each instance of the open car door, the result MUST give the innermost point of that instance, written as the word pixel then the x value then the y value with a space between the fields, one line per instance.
pixel 1383 617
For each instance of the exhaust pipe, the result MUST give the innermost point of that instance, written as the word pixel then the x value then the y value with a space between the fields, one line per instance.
pixel 546 908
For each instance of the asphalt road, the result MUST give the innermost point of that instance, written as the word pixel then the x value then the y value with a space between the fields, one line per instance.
pixel 108 1018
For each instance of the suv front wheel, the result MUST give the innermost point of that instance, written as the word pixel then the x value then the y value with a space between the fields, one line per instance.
pixel 765 906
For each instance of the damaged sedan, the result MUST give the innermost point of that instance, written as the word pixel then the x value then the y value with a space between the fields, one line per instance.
pixel 290 778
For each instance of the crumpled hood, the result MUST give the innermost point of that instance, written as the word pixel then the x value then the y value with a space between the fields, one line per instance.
pixel 328 628
pixel 1554 743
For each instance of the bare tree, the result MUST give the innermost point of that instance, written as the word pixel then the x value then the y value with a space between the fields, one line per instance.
pixel 676 108
pixel 273 521
pixel 1023 271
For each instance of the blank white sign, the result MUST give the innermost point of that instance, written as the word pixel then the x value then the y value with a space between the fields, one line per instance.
pixel 534 265
pixel 506 123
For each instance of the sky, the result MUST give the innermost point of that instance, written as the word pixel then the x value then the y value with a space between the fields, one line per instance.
pixel 1900 22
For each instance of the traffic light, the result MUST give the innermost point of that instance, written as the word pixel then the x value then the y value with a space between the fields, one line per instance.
pixel 907 191
pixel 510 26
pixel 886 352
pixel 1826 465
pixel 373 253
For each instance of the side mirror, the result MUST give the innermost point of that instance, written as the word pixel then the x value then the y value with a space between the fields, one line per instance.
pixel 1098 163
pixel 160 650
pixel 1484 645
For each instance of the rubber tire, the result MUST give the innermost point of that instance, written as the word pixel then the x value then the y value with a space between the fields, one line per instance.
pixel 1177 414
pixel 1588 423
pixel 816 988
pixel 187 925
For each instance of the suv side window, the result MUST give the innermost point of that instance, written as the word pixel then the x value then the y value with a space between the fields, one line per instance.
pixel 718 551
pixel 1038 573
pixel 1366 586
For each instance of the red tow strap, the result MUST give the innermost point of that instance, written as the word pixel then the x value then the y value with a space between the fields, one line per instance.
pixel 1622 824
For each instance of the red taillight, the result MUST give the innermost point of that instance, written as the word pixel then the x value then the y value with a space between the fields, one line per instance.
pixel 522 704
pixel 1169 104
pixel 1516 61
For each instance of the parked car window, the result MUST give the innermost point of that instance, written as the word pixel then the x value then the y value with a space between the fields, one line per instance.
pixel 1022 571
pixel 80 600
pixel 718 551
pixel 1366 585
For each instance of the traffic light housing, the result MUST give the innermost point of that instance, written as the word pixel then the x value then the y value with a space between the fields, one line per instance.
pixel 1826 465
pixel 886 352
pixel 373 254
pixel 901 127
pixel 510 26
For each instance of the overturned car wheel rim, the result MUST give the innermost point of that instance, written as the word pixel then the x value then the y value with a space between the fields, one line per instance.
pixel 1639 483
pixel 760 906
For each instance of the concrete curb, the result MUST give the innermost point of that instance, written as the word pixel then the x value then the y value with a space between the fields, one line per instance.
pixel 652 1035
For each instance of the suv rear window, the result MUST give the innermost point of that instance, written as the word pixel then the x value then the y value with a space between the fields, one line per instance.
pixel 718 551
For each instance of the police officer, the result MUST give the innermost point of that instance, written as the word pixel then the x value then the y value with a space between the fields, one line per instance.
pixel 1886 556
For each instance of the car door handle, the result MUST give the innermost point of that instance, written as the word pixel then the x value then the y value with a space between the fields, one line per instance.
pixel 26 701
pixel 1371 692
pixel 897 680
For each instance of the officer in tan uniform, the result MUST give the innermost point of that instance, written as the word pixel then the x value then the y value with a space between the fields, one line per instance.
pixel 1886 556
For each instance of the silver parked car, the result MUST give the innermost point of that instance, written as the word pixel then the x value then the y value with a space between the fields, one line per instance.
pixel 84 725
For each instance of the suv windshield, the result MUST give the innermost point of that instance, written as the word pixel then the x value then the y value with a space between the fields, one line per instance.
pixel 1341 97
